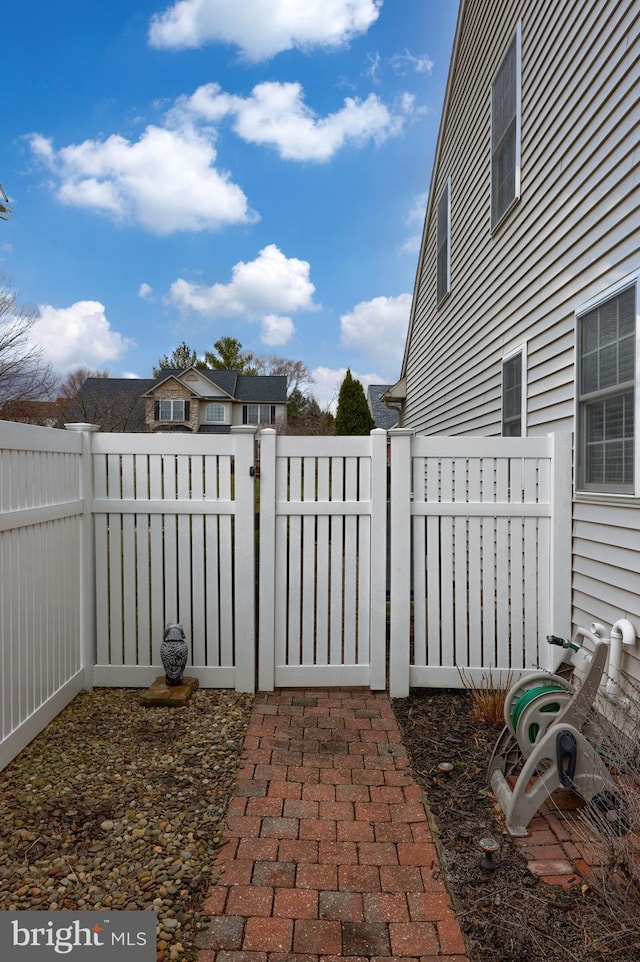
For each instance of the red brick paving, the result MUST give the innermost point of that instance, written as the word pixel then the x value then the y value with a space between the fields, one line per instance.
pixel 328 851
pixel 329 854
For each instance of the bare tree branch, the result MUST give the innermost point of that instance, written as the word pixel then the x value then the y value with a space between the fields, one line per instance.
pixel 24 372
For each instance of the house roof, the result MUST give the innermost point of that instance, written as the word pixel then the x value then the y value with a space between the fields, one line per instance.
pixel 248 388
pixel 30 412
pixel 382 415
pixel 118 399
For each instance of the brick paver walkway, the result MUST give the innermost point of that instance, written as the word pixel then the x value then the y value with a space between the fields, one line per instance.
pixel 328 851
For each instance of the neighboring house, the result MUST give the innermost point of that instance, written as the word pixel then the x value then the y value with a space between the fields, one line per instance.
pixel 44 413
pixel 201 401
pixel 383 416
pixel 525 310
pixel 114 404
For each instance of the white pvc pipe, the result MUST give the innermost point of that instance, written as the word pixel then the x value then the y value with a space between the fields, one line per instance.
pixel 622 633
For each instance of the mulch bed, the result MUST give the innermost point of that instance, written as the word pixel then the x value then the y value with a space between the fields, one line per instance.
pixel 506 915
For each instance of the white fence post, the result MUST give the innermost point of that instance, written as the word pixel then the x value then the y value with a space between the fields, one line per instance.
pixel 560 562
pixel 87 587
pixel 378 617
pixel 400 598
pixel 266 608
pixel 245 553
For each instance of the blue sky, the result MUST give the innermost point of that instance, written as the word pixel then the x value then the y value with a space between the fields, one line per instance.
pixel 254 168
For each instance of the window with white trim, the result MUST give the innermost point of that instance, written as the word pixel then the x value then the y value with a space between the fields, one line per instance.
pixel 513 405
pixel 172 409
pixel 214 413
pixel 505 132
pixel 443 244
pixel 259 414
pixel 606 363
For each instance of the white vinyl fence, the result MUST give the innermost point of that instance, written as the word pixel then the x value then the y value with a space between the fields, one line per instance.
pixel 323 517
pixel 107 538
pixel 480 557
pixel 174 543
pixel 41 564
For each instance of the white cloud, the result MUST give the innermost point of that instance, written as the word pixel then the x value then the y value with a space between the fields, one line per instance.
pixel 405 63
pixel 377 329
pixel 374 66
pixel 166 181
pixel 277 115
pixel 77 335
pixel 266 289
pixel 415 216
pixel 327 383
pixel 412 244
pixel 276 330
pixel 145 291
pixel 262 28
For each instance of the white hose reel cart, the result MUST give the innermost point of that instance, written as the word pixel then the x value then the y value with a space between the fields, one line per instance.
pixel 549 742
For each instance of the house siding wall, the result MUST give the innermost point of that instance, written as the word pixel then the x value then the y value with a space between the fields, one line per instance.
pixel 571 235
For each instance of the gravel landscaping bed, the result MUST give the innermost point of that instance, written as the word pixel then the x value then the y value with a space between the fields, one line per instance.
pixel 119 806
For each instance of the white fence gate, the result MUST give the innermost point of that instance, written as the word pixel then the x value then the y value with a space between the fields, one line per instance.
pixel 174 543
pixel 107 538
pixel 480 555
pixel 323 510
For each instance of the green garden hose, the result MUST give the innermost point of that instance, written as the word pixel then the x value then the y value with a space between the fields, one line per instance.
pixel 526 698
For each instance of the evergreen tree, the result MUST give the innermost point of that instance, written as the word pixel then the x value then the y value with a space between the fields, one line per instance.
pixel 182 357
pixel 353 415
pixel 229 356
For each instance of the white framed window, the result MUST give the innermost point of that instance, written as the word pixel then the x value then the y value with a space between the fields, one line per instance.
pixel 443 243
pixel 172 410
pixel 214 413
pixel 514 384
pixel 606 397
pixel 259 414
pixel 505 131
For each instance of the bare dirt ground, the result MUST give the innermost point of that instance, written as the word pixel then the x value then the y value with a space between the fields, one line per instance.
pixel 506 915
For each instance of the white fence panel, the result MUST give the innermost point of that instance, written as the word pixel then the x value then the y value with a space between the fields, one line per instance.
pixel 487 522
pixel 174 536
pixel 322 560
pixel 155 529
pixel 41 643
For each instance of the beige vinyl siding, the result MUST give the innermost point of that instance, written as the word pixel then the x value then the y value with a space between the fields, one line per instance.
pixel 573 233
pixel 552 250
pixel 606 575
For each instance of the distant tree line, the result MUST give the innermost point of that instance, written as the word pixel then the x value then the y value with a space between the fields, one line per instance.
pixel 27 380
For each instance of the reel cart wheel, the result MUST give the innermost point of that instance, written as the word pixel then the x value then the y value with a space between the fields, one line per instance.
pixel 535 711
pixel 536 681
